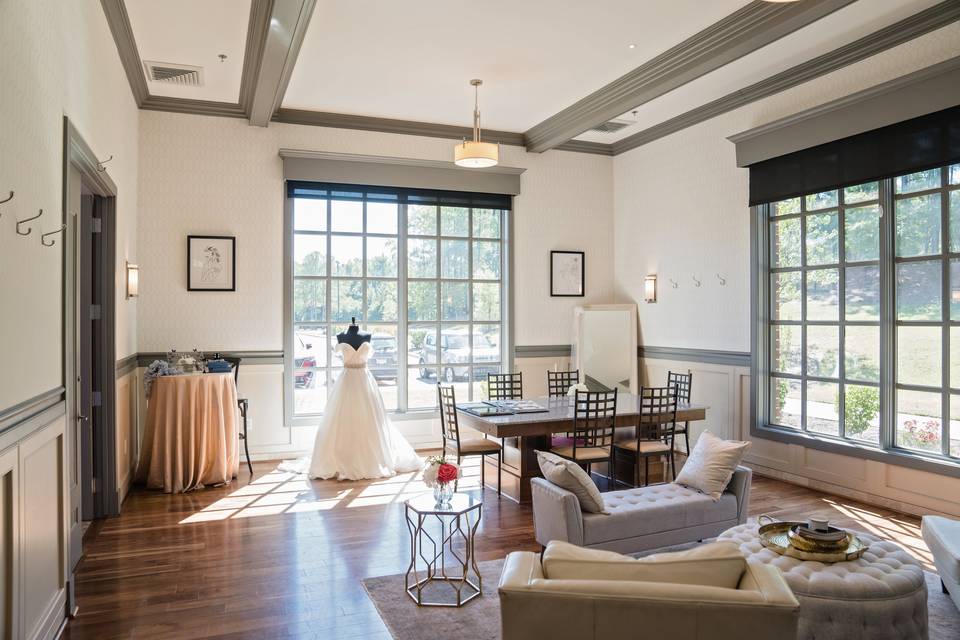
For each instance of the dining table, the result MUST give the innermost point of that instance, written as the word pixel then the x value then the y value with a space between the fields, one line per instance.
pixel 191 437
pixel 523 434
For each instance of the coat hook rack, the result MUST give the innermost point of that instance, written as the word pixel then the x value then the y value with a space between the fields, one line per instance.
pixel 673 283
pixel 723 281
pixel 29 229
pixel 43 238
pixel 100 163
pixel 696 282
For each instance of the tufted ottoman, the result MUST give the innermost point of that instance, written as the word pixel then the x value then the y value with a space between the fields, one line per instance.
pixel 881 595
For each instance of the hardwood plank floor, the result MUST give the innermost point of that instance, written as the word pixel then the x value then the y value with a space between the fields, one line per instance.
pixel 281 557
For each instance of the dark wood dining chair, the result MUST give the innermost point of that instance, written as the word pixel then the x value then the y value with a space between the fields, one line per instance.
pixel 559 382
pixel 655 430
pixel 505 386
pixel 682 382
pixel 460 447
pixel 594 425
pixel 244 406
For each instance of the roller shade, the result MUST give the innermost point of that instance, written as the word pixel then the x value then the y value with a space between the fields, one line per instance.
pixel 332 191
pixel 917 144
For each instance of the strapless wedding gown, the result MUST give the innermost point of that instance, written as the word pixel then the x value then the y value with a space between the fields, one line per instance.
pixel 356 439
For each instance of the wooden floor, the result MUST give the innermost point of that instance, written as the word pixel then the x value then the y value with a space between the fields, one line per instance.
pixel 281 557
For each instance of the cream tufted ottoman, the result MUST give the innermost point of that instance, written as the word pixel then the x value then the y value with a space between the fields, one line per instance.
pixel 881 595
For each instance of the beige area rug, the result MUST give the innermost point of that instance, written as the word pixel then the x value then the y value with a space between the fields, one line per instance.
pixel 480 618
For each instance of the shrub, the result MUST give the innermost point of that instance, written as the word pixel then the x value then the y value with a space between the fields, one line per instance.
pixel 861 408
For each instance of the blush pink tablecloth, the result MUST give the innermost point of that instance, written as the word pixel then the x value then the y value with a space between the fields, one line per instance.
pixel 190 440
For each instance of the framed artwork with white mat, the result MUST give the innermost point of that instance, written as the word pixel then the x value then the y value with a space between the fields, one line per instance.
pixel 211 263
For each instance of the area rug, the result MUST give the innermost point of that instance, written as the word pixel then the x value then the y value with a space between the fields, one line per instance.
pixel 481 617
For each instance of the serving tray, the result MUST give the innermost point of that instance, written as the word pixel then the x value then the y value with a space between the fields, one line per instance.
pixel 775 535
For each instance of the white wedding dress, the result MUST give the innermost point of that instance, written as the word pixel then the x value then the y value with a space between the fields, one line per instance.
pixel 356 439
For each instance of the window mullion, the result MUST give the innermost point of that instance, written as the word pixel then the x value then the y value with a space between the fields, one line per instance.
pixel 803 317
pixel 887 316
pixel 402 313
pixel 945 380
pixel 842 313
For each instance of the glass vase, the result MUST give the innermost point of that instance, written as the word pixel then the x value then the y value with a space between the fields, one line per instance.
pixel 442 493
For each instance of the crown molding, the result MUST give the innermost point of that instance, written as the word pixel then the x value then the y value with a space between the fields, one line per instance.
pixel 406 162
pixel 119 23
pixel 743 31
pixel 196 107
pixel 921 23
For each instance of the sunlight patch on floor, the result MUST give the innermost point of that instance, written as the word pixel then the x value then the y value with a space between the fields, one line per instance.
pixel 282 492
pixel 902 533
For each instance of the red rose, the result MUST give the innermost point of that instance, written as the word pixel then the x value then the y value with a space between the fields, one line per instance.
pixel 446 473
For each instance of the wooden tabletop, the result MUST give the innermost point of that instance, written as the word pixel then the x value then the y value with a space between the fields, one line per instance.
pixel 559 416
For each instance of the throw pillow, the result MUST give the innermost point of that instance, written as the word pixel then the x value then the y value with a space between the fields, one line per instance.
pixel 720 564
pixel 568 475
pixel 711 464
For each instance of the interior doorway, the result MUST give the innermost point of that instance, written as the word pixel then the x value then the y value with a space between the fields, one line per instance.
pixel 89 334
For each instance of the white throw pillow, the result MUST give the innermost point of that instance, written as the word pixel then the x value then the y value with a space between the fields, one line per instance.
pixel 568 474
pixel 711 464
pixel 720 564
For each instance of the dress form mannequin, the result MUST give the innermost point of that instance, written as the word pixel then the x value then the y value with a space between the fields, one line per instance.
pixel 353 336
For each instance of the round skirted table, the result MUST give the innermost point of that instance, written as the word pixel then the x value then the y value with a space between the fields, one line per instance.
pixel 881 595
pixel 190 439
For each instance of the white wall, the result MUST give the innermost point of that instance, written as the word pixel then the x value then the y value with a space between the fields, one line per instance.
pixel 202 175
pixel 681 206
pixel 681 211
pixel 56 59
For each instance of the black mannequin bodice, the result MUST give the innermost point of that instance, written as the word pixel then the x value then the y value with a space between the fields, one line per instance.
pixel 353 336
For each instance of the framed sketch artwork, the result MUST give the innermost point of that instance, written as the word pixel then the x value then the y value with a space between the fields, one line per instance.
pixel 211 263
pixel 566 273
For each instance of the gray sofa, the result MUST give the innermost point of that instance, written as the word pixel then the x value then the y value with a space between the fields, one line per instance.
pixel 639 519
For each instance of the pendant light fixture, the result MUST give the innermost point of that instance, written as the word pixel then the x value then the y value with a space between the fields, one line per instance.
pixel 475 154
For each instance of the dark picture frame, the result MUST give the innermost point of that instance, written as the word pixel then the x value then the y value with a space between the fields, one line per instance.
pixel 566 279
pixel 208 266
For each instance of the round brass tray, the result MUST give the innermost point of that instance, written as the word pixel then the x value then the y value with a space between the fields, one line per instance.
pixel 776 536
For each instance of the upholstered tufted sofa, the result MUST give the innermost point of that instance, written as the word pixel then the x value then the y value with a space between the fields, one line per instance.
pixel 639 519
pixel 880 596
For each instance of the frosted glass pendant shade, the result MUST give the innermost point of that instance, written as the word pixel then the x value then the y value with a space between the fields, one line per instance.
pixel 476 155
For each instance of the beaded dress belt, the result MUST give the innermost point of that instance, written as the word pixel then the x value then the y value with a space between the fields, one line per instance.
pixel 355 366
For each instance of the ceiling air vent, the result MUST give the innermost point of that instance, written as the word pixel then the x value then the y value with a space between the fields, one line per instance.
pixel 183 74
pixel 611 126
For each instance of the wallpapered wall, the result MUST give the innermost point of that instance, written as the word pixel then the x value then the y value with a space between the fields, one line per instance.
pixel 681 206
pixel 203 175
pixel 58 58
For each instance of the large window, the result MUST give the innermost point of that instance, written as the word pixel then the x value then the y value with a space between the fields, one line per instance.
pixel 424 272
pixel 860 333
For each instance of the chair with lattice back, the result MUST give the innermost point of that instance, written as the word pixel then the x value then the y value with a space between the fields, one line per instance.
pixel 655 431
pixel 465 447
pixel 594 425
pixel 683 383
pixel 559 382
pixel 505 386
pixel 244 406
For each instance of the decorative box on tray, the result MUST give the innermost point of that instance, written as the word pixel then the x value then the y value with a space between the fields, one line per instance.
pixel 814 540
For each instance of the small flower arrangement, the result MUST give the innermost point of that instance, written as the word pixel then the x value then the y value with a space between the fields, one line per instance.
pixel 440 475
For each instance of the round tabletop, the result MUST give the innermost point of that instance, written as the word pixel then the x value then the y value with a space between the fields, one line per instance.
pixel 426 504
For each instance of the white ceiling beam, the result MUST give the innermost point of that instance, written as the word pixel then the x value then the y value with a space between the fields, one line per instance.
pixel 279 27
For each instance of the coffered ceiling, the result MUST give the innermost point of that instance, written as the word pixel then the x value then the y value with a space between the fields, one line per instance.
pixel 552 69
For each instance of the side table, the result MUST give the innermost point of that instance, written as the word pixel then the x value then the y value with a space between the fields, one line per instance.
pixel 458 524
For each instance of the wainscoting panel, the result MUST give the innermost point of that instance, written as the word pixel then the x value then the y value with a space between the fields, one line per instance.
pixel 9 544
pixel 725 389
pixel 534 372
pixel 42 487
pixel 127 441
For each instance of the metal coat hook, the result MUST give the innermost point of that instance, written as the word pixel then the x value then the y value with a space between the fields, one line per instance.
pixel 100 163
pixel 696 282
pixel 43 238
pixel 723 281
pixel 673 283
pixel 7 200
pixel 29 229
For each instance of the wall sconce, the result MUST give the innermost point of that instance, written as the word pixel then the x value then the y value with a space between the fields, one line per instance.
pixel 133 280
pixel 650 288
